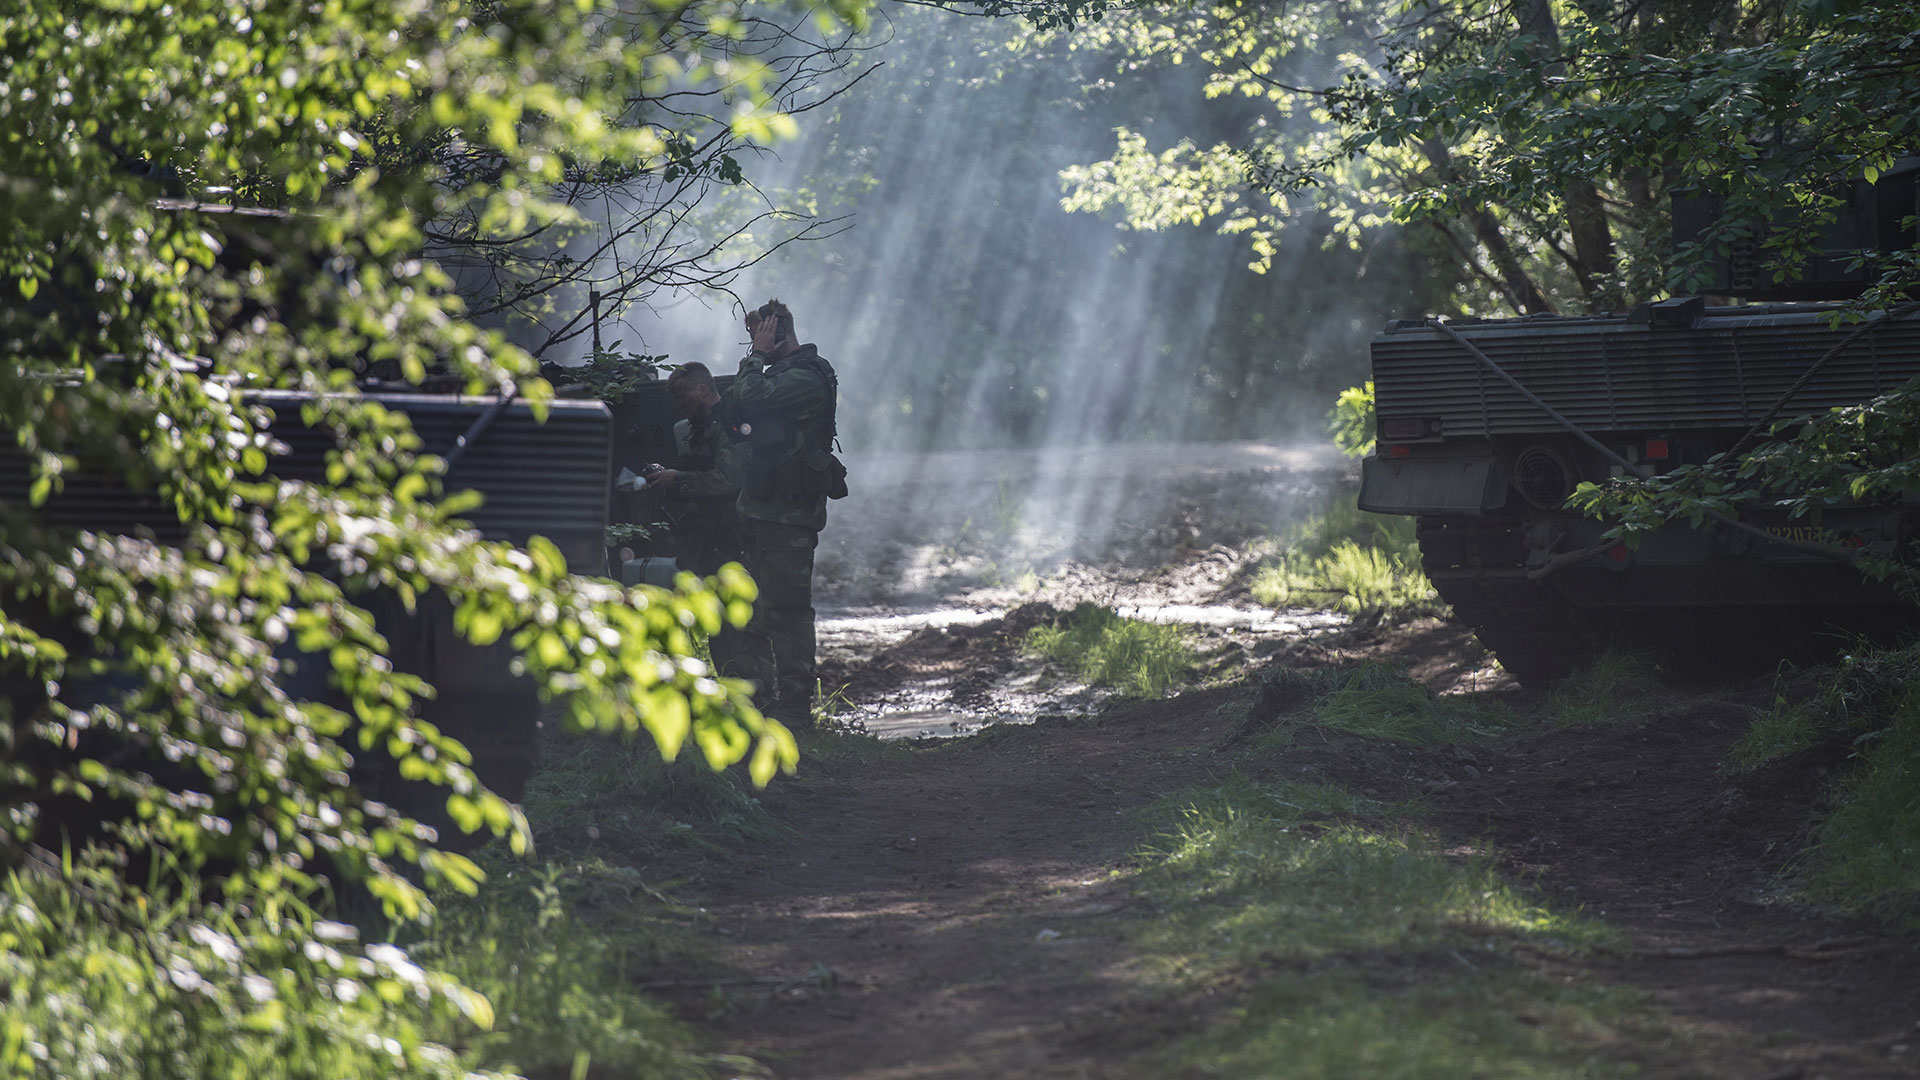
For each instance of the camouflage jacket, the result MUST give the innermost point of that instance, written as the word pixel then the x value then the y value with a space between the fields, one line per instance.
pixel 703 498
pixel 788 408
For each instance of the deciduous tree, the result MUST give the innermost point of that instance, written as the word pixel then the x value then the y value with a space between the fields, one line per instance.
pixel 206 198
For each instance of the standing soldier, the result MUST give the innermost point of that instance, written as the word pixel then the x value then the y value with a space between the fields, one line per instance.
pixel 702 487
pixel 782 404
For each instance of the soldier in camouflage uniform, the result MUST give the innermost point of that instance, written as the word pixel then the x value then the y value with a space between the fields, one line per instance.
pixel 782 406
pixel 700 491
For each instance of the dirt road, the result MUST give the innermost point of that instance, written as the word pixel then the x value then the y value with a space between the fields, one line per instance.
pixel 964 908
pixel 976 907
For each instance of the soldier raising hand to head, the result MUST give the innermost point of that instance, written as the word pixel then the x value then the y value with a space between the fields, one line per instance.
pixel 783 398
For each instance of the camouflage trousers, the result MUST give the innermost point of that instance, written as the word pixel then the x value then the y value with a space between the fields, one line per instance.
pixel 732 653
pixel 776 648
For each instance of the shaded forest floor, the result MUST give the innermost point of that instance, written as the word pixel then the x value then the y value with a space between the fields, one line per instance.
pixel 1213 884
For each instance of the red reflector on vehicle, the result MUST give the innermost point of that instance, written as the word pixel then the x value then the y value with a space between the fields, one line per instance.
pixel 1657 450
pixel 1399 451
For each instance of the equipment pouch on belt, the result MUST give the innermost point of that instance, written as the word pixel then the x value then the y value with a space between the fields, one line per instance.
pixel 806 474
pixel 822 474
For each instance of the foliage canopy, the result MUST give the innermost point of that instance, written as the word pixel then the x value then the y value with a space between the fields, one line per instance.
pixel 1536 140
pixel 210 198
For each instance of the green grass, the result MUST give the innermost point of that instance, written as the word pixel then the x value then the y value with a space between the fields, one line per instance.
pixel 1356 947
pixel 1241 877
pixel 1367 583
pixel 1616 688
pixel 1365 565
pixel 1141 659
pixel 1784 729
pixel 1866 853
pixel 1386 703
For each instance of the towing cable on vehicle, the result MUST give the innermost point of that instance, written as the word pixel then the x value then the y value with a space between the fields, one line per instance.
pixel 1571 558
pixel 479 426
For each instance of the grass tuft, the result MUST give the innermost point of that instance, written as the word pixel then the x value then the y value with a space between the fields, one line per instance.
pixel 1140 658
pixel 1386 703
pixel 1365 565
pixel 1615 688
pixel 1786 728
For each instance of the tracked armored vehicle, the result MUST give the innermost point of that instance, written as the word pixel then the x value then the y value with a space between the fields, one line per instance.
pixel 1486 427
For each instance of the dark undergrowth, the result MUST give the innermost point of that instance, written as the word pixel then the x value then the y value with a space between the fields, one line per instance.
pixel 1865 853
pixel 563 943
pixel 1861 715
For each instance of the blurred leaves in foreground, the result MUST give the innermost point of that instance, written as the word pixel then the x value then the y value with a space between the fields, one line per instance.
pixel 205 202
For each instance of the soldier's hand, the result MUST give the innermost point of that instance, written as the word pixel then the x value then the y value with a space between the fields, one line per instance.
pixel 663 478
pixel 766 334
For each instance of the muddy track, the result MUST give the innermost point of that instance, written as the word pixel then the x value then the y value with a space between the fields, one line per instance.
pixel 949 908
pixel 960 900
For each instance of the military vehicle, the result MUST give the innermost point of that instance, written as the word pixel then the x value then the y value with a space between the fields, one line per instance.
pixel 550 479
pixel 1485 428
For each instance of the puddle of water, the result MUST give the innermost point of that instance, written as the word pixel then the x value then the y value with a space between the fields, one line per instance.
pixel 862 627
pixel 1227 617
pixel 926 709
pixel 857 626
pixel 922 724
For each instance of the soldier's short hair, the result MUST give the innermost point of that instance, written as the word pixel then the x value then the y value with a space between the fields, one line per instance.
pixel 774 309
pixel 693 371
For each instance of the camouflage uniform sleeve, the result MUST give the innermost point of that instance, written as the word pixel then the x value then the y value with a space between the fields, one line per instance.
pixel 791 391
pixel 724 479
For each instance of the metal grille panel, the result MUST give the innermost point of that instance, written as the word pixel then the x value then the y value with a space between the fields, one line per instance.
pixel 550 478
pixel 1608 374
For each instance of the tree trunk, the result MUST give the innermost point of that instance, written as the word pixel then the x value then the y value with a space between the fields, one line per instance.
pixel 1521 290
pixel 1586 215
